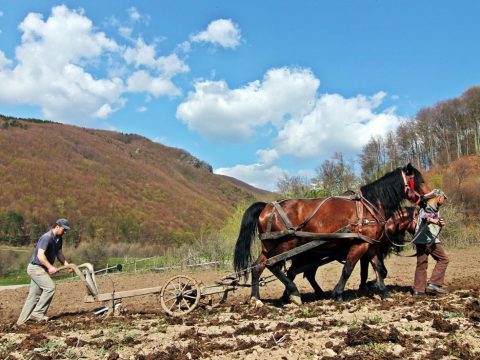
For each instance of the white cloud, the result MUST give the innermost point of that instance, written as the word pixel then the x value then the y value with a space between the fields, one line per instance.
pixel 125 31
pixel 141 81
pixel 171 65
pixel 48 69
pixel 4 62
pixel 309 126
pixel 142 54
pixel 133 14
pixel 223 32
pixel 258 175
pixel 220 113
pixel 336 124
pixel 52 66
pixel 268 156
pixel 141 109
pixel 104 111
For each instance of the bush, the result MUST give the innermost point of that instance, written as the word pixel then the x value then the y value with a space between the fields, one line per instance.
pixel 11 260
pixel 93 252
pixel 457 232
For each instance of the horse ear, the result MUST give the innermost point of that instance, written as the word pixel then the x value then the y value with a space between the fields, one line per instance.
pixel 409 169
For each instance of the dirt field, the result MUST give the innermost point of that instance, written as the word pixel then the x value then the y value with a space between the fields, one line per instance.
pixel 436 327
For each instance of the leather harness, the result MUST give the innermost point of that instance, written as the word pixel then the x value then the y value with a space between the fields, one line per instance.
pixel 361 203
pixel 343 233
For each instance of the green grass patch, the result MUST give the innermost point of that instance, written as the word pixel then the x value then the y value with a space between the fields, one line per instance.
pixel 18 277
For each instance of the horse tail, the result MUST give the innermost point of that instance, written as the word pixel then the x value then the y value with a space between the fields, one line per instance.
pixel 242 258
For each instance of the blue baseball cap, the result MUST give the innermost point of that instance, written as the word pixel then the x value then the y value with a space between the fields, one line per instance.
pixel 63 223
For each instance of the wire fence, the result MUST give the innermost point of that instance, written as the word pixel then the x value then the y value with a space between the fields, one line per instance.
pixel 157 264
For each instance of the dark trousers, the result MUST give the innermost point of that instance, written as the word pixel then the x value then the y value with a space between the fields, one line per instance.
pixel 438 274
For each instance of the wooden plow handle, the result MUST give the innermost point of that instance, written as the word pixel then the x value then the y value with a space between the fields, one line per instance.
pixel 87 276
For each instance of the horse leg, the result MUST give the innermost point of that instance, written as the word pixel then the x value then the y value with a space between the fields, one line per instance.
pixel 310 275
pixel 291 274
pixel 256 272
pixel 290 287
pixel 381 272
pixel 364 262
pixel 355 253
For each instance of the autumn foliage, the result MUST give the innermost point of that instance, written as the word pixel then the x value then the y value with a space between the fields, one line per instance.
pixel 111 186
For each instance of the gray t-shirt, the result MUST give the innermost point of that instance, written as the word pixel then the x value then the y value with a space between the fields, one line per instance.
pixel 51 244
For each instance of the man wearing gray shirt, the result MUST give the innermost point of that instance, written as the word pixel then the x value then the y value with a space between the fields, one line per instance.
pixel 42 287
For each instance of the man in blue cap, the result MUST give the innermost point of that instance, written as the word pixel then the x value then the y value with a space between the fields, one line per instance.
pixel 42 287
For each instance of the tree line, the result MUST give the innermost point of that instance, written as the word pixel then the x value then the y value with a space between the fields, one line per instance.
pixel 444 134
pixel 437 135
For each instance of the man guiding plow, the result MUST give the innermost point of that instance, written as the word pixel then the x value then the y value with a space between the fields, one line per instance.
pixel 42 287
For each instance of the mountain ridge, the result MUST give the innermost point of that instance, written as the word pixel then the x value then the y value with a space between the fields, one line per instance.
pixel 112 186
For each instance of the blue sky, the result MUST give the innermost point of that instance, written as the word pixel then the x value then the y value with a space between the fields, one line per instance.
pixel 257 89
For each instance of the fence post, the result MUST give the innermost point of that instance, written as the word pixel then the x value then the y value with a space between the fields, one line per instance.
pixel 135 266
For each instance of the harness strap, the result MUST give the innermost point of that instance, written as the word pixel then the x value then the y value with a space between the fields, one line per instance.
pixel 312 214
pixel 305 234
pixel 282 214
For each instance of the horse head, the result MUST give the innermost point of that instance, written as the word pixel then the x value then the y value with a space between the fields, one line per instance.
pixel 414 184
pixel 388 192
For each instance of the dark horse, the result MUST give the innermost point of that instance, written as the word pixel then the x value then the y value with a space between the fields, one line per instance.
pixel 282 226
pixel 395 229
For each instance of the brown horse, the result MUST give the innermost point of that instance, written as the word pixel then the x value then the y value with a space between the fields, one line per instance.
pixel 358 221
pixel 395 228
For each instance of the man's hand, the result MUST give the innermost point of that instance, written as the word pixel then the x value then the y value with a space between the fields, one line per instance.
pixel 52 270
pixel 439 222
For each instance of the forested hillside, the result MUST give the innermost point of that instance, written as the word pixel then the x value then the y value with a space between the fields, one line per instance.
pixel 437 135
pixel 111 186
pixel 445 141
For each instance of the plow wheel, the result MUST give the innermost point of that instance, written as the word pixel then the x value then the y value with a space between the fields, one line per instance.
pixel 180 295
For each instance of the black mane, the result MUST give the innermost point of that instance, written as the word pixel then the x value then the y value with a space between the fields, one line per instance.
pixel 389 190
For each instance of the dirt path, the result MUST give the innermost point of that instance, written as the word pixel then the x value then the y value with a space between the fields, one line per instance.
pixel 446 327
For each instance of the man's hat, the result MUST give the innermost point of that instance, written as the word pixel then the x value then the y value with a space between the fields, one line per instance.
pixel 438 192
pixel 63 223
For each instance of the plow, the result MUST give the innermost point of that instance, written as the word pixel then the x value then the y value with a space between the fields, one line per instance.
pixel 179 295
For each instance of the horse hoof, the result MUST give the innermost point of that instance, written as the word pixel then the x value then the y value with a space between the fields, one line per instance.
pixel 296 299
pixel 338 298
pixel 386 297
pixel 257 303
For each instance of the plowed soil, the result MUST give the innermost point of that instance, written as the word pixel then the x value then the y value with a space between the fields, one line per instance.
pixel 361 327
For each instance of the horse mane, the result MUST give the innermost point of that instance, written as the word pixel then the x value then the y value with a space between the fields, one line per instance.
pixel 387 192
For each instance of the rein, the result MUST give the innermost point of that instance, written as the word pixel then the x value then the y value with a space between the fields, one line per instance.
pixel 411 241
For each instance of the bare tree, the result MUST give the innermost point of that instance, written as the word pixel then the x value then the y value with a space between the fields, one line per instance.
pixel 335 176
pixel 293 186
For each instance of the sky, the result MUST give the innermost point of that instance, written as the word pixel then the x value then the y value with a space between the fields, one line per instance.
pixel 258 89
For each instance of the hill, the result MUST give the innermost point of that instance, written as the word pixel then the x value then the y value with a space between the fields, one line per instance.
pixel 111 186
pixel 460 179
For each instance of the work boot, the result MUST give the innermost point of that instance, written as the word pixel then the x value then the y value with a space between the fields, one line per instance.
pixel 38 319
pixel 418 294
pixel 437 289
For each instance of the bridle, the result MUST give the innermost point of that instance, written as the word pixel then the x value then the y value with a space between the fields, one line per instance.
pixel 409 189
